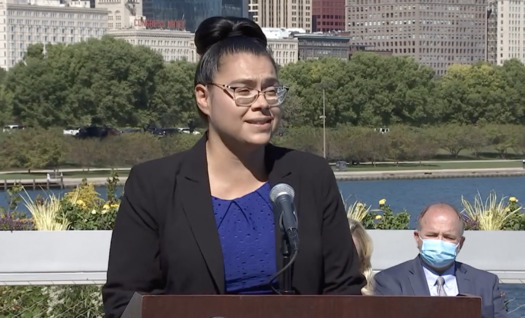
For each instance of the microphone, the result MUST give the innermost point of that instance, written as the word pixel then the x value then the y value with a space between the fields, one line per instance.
pixel 282 196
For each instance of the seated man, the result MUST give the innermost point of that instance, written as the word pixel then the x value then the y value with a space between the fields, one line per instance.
pixel 434 272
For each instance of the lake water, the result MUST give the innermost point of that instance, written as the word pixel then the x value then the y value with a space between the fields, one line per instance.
pixel 412 196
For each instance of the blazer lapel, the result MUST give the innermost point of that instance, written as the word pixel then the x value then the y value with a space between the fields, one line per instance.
pixel 417 278
pixel 465 285
pixel 194 187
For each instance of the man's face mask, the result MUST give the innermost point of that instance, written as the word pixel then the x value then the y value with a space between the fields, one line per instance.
pixel 438 253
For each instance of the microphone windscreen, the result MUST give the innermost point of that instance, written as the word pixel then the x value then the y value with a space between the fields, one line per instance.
pixel 280 189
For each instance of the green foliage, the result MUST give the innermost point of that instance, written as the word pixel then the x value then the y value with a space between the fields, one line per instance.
pixel 454 138
pixel 107 79
pixel 382 218
pixel 85 210
pixel 123 150
pixel 490 214
pixel 174 100
pixel 111 187
pixel 175 143
pixel 515 221
pixel 115 83
pixel 10 219
pixel 33 148
pixel 51 301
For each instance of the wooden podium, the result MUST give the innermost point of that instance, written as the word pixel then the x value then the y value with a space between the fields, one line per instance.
pixel 273 306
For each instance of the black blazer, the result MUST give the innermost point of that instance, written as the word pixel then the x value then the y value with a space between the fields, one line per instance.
pixel 408 278
pixel 165 239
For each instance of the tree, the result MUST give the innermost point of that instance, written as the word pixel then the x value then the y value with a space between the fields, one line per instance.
pixel 173 102
pixel 71 84
pixel 454 137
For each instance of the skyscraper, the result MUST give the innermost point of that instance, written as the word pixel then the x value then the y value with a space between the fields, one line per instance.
pixel 436 33
pixel 192 12
pixel 328 15
pixel 506 34
pixel 294 14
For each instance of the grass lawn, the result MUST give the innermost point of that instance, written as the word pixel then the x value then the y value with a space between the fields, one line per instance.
pixel 67 174
pixel 435 165
pixel 382 166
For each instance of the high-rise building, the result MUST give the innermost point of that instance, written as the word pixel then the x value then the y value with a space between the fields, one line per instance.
pixel 192 12
pixel 172 45
pixel 123 14
pixel 492 31
pixel 328 15
pixel 23 23
pixel 506 31
pixel 290 14
pixel 437 33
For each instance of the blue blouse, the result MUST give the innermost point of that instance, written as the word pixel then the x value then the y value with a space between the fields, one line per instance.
pixel 246 231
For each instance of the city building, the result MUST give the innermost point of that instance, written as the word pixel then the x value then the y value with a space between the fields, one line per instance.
pixel 24 23
pixel 190 12
pixel 282 14
pixel 436 33
pixel 285 50
pixel 492 31
pixel 506 32
pixel 173 45
pixel 316 46
pixel 122 14
pixel 328 15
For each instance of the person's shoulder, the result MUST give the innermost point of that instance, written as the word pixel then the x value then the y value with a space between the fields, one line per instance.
pixel 160 168
pixel 396 269
pixel 297 157
pixel 160 164
pixel 473 271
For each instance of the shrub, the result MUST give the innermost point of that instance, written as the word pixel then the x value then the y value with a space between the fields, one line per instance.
pixel 382 218
pixel 489 215
pixel 85 210
pixel 51 301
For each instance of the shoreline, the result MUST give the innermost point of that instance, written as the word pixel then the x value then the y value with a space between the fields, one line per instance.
pixel 428 174
pixel 68 182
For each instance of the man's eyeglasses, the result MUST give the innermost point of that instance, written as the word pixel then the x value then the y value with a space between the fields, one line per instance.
pixel 245 97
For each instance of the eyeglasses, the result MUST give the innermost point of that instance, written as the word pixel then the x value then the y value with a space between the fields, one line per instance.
pixel 245 97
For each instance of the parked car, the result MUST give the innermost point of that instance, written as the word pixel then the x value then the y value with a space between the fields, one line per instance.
pixel 71 131
pixel 188 131
pixel 12 127
pixel 130 130
pixel 97 131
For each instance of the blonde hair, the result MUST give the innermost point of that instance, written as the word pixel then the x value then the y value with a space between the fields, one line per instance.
pixel 364 246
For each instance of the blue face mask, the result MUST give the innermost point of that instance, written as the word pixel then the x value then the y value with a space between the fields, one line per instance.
pixel 438 253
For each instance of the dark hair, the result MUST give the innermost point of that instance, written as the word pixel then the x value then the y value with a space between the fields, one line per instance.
pixel 219 36
pixel 425 210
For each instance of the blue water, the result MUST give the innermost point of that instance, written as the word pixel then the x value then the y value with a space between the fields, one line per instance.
pixel 410 195
pixel 515 295
pixel 413 195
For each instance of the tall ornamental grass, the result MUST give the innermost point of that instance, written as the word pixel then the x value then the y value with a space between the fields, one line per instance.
pixel 489 215
pixel 45 213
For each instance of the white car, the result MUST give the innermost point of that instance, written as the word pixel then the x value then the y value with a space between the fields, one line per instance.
pixel 9 128
pixel 187 131
pixel 72 131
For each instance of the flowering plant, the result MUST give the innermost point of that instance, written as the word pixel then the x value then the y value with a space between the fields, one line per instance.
pixel 491 214
pixel 85 210
pixel 381 218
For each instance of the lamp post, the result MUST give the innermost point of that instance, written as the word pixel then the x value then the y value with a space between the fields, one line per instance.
pixel 324 124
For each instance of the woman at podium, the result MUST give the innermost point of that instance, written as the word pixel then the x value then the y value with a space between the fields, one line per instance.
pixel 202 221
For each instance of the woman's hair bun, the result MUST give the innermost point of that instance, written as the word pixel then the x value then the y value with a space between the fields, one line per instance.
pixel 216 29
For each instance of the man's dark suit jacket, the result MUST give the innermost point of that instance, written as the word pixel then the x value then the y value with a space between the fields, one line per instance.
pixel 408 278
pixel 165 238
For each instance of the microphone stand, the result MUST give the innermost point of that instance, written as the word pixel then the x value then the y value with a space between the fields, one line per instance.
pixel 287 274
